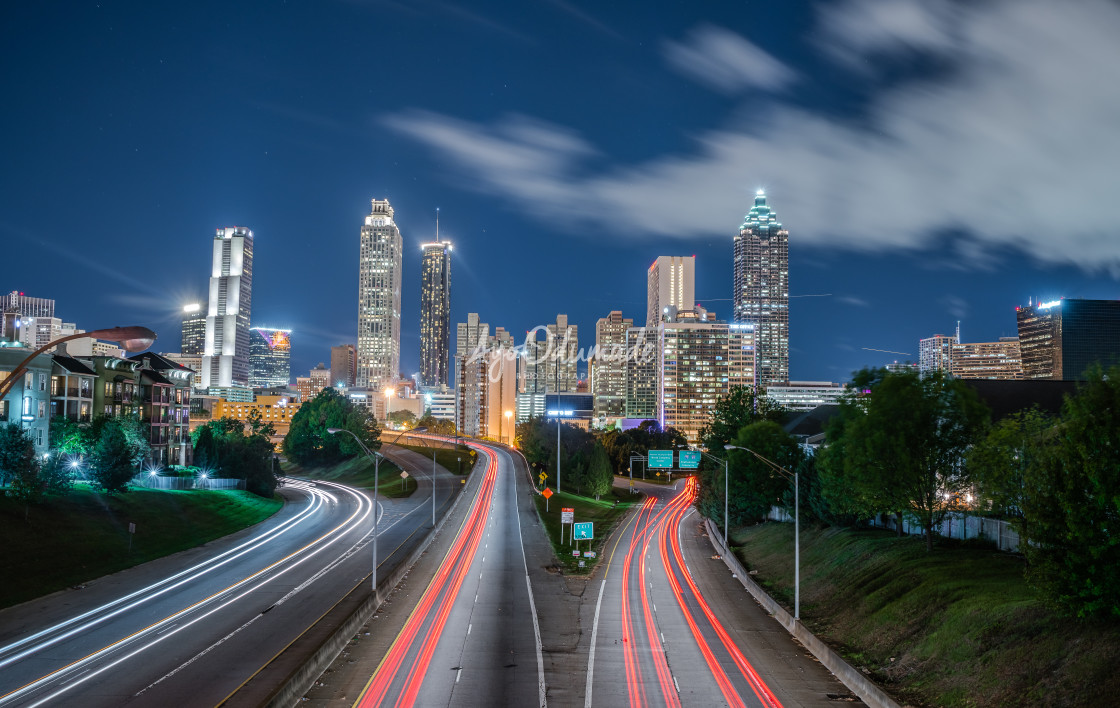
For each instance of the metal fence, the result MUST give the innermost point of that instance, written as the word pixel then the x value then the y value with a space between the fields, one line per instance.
pixel 147 481
pixel 956 525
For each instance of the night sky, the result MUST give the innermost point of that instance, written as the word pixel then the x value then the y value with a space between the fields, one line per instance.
pixel 933 161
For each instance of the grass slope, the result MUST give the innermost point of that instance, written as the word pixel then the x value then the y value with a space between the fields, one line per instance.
pixel 455 461
pixel 83 535
pixel 955 627
pixel 604 513
pixel 357 472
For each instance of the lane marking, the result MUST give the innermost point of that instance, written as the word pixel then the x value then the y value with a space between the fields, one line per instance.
pixel 541 688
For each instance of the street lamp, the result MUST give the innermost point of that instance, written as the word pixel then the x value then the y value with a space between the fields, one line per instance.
pixel 133 339
pixel 796 522
pixel 557 415
pixel 376 472
pixel 509 414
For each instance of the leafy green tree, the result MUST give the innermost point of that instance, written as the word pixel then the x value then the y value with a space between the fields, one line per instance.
pixel 903 446
pixel 20 465
pixel 1071 502
pixel 308 441
pixel 406 419
pixel 437 426
pixel 735 411
pixel 115 457
pixel 1001 462
pixel 843 501
pixel 68 437
pixel 239 450
pixel 753 485
pixel 205 449
pixel 600 476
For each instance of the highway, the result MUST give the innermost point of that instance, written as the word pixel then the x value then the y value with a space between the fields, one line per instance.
pixel 189 629
pixel 472 638
pixel 668 631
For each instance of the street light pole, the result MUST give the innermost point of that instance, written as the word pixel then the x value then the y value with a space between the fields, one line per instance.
pixel 796 524
pixel 376 474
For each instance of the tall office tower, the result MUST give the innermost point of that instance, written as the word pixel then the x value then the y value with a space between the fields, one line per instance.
pixel 379 298
pixel 607 368
pixel 936 353
pixel 670 282
pixel 435 312
pixel 762 289
pixel 344 365
pixel 561 353
pixel 1061 339
pixel 225 356
pixel 641 373
pixel 194 330
pixel 701 360
pixel 987 360
pixel 471 335
pixel 270 357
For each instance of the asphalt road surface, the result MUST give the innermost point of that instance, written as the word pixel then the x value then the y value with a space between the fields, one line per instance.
pixel 471 639
pixel 671 628
pixel 190 628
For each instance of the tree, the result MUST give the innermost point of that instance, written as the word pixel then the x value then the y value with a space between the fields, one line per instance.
pixel 1001 462
pixel 600 476
pixel 68 437
pixel 20 465
pixel 308 441
pixel 205 449
pixel 115 457
pixel 239 450
pixel 1071 501
pixel 406 419
pixel 904 442
pixel 437 426
pixel 753 485
pixel 735 411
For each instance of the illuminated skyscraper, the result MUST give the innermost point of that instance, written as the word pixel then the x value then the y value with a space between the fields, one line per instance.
pixel 225 356
pixel 435 312
pixel 670 282
pixel 270 357
pixel 379 298
pixel 607 368
pixel 194 330
pixel 762 289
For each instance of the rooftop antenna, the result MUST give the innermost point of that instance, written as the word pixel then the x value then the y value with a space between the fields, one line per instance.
pixel 958 331
pixel 437 224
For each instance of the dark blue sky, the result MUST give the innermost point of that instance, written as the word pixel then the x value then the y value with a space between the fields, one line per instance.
pixel 933 161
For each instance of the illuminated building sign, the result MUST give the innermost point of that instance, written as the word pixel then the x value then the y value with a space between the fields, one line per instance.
pixel 277 338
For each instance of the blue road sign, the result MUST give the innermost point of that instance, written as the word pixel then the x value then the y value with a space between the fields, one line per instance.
pixel 689 459
pixel 662 459
pixel 583 531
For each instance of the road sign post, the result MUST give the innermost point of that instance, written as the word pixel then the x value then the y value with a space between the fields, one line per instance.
pixel 583 531
pixel 547 493
pixel 567 516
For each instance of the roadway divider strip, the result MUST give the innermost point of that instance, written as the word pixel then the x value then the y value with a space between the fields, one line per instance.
pixel 855 681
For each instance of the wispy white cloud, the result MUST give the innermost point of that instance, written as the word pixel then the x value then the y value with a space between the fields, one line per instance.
pixel 726 62
pixel 1016 146
pixel 854 301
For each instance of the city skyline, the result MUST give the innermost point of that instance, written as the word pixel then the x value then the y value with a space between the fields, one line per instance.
pixel 589 198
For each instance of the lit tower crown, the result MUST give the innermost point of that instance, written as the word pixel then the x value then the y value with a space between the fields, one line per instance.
pixel 761 294
pixel 435 311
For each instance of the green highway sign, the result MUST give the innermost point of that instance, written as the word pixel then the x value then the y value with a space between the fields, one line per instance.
pixel 689 459
pixel 661 458
pixel 583 531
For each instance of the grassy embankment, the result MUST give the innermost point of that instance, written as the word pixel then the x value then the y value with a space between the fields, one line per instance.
pixel 455 460
pixel 955 627
pixel 357 472
pixel 82 535
pixel 604 513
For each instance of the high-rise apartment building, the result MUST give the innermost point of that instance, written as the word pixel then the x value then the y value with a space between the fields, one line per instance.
pixel 642 359
pixel 22 306
pixel 270 357
pixel 670 282
pixel 607 369
pixel 987 360
pixel 936 353
pixel 472 343
pixel 379 298
pixel 561 356
pixel 193 330
pixel 435 312
pixel 225 356
pixel 1061 339
pixel 701 360
pixel 344 365
pixel 761 293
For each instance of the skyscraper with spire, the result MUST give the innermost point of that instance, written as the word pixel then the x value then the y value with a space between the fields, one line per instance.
pixel 761 286
pixel 435 311
pixel 379 297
